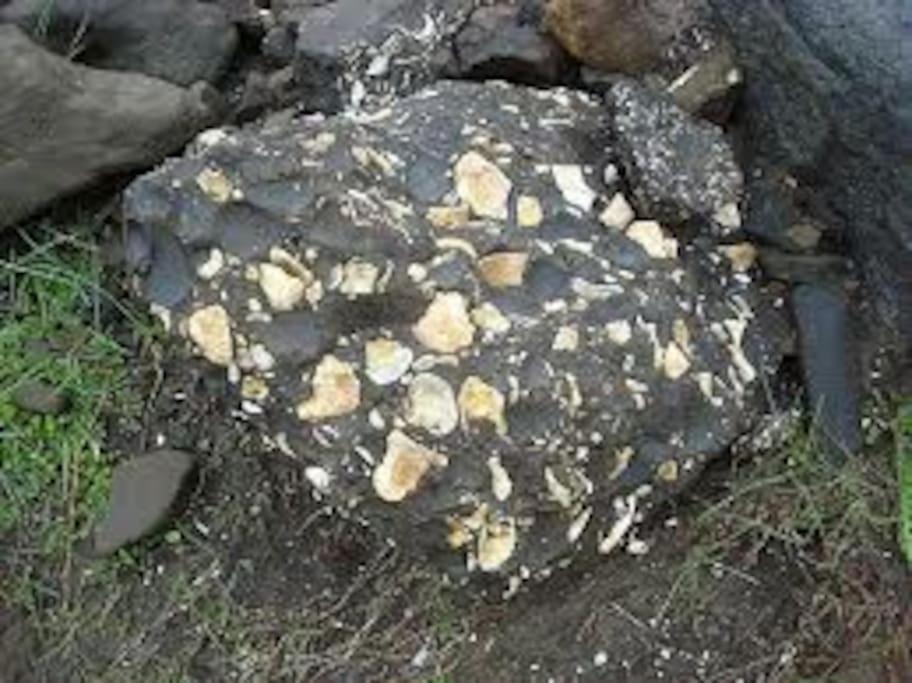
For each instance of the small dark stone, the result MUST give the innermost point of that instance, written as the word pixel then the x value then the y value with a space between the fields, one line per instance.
pixel 829 358
pixel 143 493
pixel 170 276
pixel 40 397
pixel 495 44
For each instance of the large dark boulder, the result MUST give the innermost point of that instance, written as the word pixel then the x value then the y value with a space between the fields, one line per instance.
pixel 64 126
pixel 828 100
pixel 180 41
pixel 459 332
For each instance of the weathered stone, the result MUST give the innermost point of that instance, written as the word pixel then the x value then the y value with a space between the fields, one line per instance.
pixel 496 43
pixel 144 491
pixel 504 269
pixel 678 168
pixel 39 397
pixel 618 35
pixel 528 212
pixel 568 383
pixel 618 215
pixel 60 129
pixel 825 104
pixel 180 41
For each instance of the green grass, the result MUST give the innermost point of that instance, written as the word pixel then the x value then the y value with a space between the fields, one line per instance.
pixel 54 474
pixel 904 473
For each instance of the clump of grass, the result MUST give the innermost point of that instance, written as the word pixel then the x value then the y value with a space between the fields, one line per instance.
pixel 54 474
pixel 904 471
pixel 833 526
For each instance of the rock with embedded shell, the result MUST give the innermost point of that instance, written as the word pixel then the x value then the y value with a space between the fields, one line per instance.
pixel 479 385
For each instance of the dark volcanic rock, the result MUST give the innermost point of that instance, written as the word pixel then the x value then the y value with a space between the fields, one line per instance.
pixel 828 87
pixel 435 324
pixel 496 42
pixel 180 41
pixel 354 52
pixel 64 126
pixel 678 168
pixel 143 493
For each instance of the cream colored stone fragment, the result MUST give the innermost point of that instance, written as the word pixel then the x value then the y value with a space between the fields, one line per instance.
pixel 742 256
pixel 336 391
pixel 496 544
pixel 728 216
pixel 504 269
pixel 215 185
pixel 681 334
pixel 386 360
pixel 675 363
pixel 622 459
pixel 431 405
pixel 290 264
pixel 489 318
pixel 283 290
pixel 359 278
pixel 566 339
pixel 618 215
pixel 445 326
pixel 254 388
pixel 529 212
pixel 572 184
pixel 449 217
pixel 668 471
pixel 210 329
pixel 559 492
pixel 501 484
pixel 212 266
pixel 651 236
pixel 480 402
pixel 482 185
pixel 619 331
pixel 404 465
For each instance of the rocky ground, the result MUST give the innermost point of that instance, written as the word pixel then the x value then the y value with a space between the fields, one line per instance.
pixel 345 362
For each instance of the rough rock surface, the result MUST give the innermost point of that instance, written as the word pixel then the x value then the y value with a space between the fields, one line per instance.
pixel 678 168
pixel 828 86
pixel 501 42
pixel 143 493
pixel 348 52
pixel 64 126
pixel 472 361
pixel 180 41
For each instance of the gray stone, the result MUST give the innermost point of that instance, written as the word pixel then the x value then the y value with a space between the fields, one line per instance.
pixel 679 168
pixel 831 366
pixel 180 41
pixel 39 397
pixel 585 391
pixel 64 126
pixel 828 86
pixel 495 43
pixel 143 494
